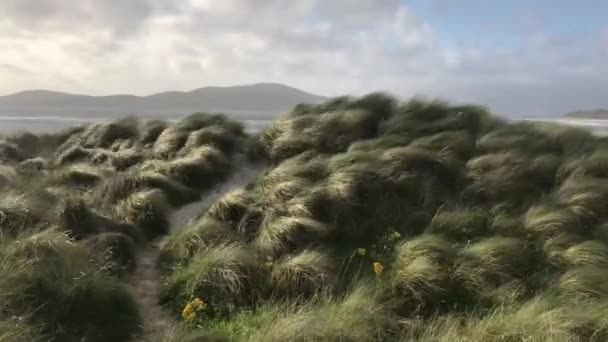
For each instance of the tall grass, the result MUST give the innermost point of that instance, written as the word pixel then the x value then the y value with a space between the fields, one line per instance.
pixel 468 227
pixel 76 206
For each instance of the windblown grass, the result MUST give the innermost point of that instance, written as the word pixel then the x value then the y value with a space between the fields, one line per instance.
pixel 75 207
pixel 470 228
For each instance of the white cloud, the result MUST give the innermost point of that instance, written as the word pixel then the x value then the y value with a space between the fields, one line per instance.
pixel 328 47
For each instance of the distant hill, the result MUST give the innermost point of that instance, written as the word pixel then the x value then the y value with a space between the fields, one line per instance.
pixel 589 114
pixel 262 99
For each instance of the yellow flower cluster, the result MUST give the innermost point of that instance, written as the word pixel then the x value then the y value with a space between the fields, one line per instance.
pixel 378 268
pixel 190 310
pixel 361 251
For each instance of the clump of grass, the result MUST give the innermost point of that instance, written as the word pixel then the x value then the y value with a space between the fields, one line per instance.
pixel 74 154
pixel 199 169
pixel 510 177
pixel 549 220
pixel 13 329
pixel 303 274
pixel 419 117
pixel 126 159
pixel 585 282
pixel 33 165
pixel 122 186
pixel 399 163
pixel 541 318
pixel 233 209
pixel 148 210
pixel 8 176
pixel 306 166
pixel 10 152
pixel 169 142
pixel 151 130
pixel 116 251
pixel 461 224
pixel 19 213
pixel 200 235
pixel 358 316
pixel 104 135
pixel 48 281
pixel 380 143
pixel 324 132
pixel 422 272
pixel 289 234
pixel 217 136
pixel 590 252
pixel 197 130
pixel 459 143
pixel 224 276
pixel 492 262
pixel 196 121
pixel 79 176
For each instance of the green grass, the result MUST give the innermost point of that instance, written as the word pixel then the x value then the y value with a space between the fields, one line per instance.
pixel 77 205
pixel 377 220
pixel 467 227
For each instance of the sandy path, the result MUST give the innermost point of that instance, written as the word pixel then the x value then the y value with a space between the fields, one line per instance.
pixel 145 282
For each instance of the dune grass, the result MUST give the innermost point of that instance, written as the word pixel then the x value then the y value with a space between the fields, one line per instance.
pixel 77 205
pixel 377 220
pixel 444 222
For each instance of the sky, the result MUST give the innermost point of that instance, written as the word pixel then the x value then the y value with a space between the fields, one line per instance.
pixel 535 57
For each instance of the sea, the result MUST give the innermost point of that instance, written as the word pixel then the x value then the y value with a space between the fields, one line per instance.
pixel 52 124
pixel 10 124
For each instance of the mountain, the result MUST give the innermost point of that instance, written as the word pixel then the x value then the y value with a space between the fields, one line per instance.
pixel 589 114
pixel 262 99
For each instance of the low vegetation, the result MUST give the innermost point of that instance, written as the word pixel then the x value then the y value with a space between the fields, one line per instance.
pixel 376 220
pixel 388 221
pixel 76 206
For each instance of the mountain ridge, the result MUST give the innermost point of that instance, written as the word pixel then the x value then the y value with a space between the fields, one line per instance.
pixel 261 97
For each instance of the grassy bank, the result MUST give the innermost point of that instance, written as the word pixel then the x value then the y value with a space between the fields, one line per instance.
pixel 389 221
pixel 75 207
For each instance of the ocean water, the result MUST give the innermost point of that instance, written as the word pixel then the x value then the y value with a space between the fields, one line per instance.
pixel 33 124
pixel 50 124
pixel 597 127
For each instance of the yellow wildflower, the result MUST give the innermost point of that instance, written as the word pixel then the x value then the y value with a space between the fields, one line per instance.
pixel 269 264
pixel 361 251
pixel 198 304
pixel 396 236
pixel 378 268
pixel 190 310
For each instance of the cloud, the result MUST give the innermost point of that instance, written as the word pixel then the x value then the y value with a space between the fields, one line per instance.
pixel 328 47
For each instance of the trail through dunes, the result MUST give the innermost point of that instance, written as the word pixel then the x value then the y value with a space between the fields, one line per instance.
pixel 145 282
